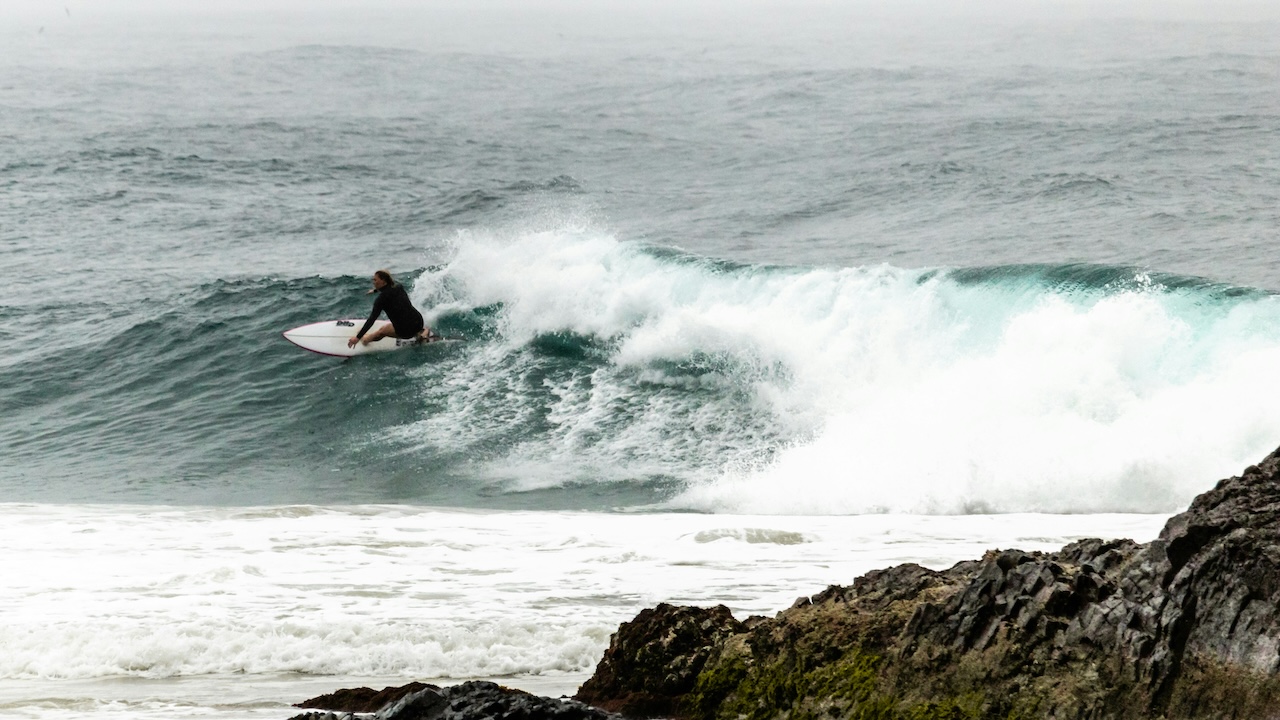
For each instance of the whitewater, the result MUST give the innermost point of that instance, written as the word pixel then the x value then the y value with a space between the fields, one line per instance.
pixel 753 302
pixel 164 612
pixel 856 390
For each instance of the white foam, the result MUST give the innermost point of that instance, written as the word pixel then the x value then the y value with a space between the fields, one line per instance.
pixel 1075 409
pixel 155 593
pixel 856 390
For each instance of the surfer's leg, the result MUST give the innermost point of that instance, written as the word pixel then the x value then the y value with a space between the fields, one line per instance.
pixel 378 333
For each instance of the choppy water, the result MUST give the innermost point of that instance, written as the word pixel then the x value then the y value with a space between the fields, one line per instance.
pixel 774 272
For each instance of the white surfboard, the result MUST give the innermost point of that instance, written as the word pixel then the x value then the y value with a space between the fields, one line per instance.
pixel 330 338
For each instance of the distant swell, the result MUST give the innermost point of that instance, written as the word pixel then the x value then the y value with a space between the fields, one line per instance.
pixel 597 374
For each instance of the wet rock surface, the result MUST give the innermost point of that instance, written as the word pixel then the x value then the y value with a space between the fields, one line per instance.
pixel 362 700
pixel 1186 626
pixel 468 701
pixel 655 659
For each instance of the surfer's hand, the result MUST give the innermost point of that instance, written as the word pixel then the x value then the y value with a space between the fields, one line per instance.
pixel 351 342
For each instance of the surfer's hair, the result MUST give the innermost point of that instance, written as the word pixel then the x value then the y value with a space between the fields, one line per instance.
pixel 385 277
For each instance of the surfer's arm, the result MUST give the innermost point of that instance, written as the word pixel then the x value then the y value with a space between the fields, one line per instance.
pixel 377 310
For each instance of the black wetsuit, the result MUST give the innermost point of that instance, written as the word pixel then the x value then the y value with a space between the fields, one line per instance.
pixel 394 301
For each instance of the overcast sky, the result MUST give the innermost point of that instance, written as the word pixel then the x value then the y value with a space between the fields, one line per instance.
pixel 811 32
pixel 1227 10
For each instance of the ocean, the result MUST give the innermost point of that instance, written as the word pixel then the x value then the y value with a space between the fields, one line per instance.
pixel 754 300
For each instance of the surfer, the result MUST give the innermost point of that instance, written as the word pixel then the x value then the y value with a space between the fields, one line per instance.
pixel 406 321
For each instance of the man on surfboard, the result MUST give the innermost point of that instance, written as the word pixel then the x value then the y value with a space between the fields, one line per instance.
pixel 406 321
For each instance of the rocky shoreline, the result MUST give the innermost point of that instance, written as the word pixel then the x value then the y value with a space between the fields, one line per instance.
pixel 1186 626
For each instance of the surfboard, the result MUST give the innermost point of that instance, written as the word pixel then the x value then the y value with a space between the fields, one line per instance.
pixel 330 338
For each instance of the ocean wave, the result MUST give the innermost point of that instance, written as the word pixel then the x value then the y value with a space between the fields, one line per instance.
pixel 597 373
pixel 806 390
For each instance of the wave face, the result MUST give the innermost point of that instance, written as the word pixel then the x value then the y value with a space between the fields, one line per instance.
pixel 598 374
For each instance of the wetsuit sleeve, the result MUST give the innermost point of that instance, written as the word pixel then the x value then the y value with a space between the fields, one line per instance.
pixel 377 310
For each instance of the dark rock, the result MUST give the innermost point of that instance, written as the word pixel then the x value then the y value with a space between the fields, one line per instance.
pixel 468 701
pixel 426 703
pixel 1187 626
pixel 362 700
pixel 656 658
